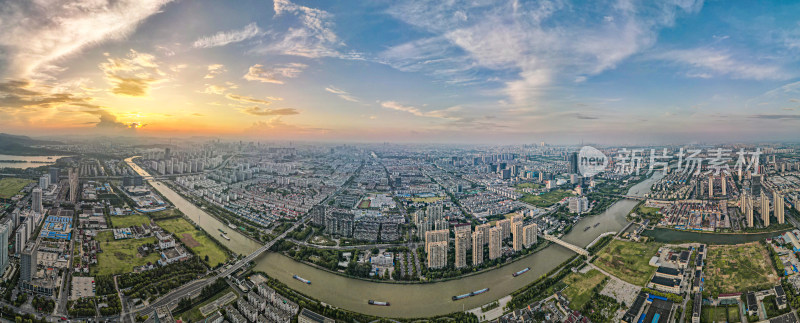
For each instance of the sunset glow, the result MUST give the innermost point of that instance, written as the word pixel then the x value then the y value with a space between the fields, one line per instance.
pixel 409 71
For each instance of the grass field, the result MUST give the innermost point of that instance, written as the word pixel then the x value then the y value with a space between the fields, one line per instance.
pixel 166 214
pixel 580 286
pixel 199 242
pixel 720 314
pixel 120 256
pixel 737 268
pixel 546 199
pixel 10 186
pixel 323 241
pixel 364 204
pixel 646 212
pixel 124 221
pixel 628 260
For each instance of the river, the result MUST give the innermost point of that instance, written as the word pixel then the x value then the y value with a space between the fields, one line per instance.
pixel 411 300
pixel 675 236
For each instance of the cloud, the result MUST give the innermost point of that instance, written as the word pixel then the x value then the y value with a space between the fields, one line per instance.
pixel 214 89
pixel 532 46
pixel 223 38
pixel 441 114
pixel 342 94
pixel 259 73
pixel 246 99
pixel 24 94
pixel 777 116
pixel 311 35
pixel 165 51
pixel 198 114
pixel 133 75
pixel 277 127
pixel 585 117
pixel 707 62
pixel 214 70
pixel 37 33
pixel 107 120
pixel 258 111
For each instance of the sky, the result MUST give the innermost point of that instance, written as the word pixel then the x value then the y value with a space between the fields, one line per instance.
pixel 482 71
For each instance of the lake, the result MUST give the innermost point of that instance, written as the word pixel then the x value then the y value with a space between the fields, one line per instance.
pixel 26 162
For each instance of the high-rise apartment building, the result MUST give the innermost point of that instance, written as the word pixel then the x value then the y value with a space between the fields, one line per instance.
pixel 529 232
pixel 21 238
pixel 477 248
pixel 764 209
pixel 5 230
pixel 27 263
pixel 44 182
pixel 435 236
pixel 484 231
pixel 54 175
pixel 495 242
pixel 339 223
pixel 578 205
pixel 711 185
pixel 462 244
pixel 777 200
pixel 749 211
pixel 573 163
pixel 437 254
pixel 36 200
pixel 517 236
pixel 505 226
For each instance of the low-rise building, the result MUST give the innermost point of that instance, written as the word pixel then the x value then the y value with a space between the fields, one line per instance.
pixel 665 284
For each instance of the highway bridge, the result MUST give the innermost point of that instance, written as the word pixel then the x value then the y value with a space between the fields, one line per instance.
pixel 567 245
pixel 633 197
pixel 258 252
pixel 610 233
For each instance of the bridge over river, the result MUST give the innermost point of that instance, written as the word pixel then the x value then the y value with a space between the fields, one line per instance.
pixel 567 245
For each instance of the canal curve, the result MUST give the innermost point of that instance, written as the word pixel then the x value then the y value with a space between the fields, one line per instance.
pixel 411 300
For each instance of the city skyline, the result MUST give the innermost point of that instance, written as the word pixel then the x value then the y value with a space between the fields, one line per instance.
pixel 518 72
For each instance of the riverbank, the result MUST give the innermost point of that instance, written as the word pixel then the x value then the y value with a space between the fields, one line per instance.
pixel 408 300
pixel 418 282
pixel 212 214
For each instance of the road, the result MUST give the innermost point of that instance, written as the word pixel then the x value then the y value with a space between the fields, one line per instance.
pixel 360 247
pixel 63 296
pixel 196 286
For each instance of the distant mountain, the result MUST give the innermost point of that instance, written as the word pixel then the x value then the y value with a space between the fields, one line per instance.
pixel 23 145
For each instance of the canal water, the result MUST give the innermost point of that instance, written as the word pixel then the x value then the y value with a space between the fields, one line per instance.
pixel 670 236
pixel 238 242
pixel 412 300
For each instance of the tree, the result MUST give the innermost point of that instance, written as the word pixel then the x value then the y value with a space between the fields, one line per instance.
pixel 185 303
pixel 205 258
